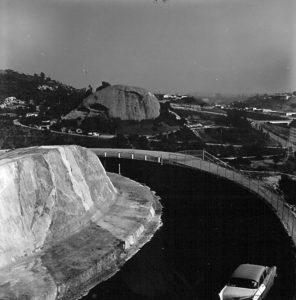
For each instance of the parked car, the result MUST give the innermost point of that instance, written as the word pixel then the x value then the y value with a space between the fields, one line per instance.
pixel 94 133
pixel 249 282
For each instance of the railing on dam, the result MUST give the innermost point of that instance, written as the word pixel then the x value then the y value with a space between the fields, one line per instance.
pixel 204 161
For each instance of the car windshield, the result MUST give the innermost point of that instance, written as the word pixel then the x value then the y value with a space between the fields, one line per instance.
pixel 243 283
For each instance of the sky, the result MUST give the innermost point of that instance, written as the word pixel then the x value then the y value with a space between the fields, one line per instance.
pixel 180 46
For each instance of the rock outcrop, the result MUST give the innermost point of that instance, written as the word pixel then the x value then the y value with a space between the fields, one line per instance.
pixel 123 102
pixel 64 223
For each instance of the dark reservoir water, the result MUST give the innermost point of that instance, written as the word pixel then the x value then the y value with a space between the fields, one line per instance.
pixel 210 227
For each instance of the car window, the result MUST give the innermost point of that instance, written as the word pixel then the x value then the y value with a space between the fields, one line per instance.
pixel 243 282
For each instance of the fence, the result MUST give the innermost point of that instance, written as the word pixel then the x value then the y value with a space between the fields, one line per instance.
pixel 209 163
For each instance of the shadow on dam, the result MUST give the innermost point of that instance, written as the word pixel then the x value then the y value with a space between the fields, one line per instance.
pixel 210 225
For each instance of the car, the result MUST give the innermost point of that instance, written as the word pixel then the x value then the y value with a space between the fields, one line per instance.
pixel 249 282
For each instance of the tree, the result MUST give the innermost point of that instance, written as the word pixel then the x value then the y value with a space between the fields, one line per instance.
pixel 90 124
pixel 69 123
pixel 288 187
pixel 289 166
pixel 42 76
pixel 89 91
pixel 120 141
pixel 276 160
pixel 240 161
pixel 237 118
pixel 144 143
pixel 256 148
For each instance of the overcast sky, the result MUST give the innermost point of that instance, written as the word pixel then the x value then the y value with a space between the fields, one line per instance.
pixel 240 46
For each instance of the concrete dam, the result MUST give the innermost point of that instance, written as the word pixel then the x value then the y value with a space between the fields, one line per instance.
pixel 65 224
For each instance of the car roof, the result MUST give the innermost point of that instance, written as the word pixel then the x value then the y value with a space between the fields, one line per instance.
pixel 248 271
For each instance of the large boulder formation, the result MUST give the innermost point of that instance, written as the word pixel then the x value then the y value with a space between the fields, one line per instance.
pixel 119 101
pixel 65 225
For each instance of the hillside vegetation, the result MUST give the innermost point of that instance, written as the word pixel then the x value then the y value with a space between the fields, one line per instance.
pixel 37 100
pixel 272 102
pixel 39 89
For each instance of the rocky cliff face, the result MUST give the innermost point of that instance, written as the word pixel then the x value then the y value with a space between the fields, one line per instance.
pixel 46 194
pixel 124 102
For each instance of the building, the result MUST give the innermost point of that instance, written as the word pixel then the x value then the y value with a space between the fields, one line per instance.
pixel 44 127
pixel 32 114
pixel 13 103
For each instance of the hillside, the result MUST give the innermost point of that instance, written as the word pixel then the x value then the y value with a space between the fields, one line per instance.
pixel 39 89
pixel 110 109
pixel 272 102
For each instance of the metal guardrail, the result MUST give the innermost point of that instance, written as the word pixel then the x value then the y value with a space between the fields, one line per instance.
pixel 209 163
pixel 207 156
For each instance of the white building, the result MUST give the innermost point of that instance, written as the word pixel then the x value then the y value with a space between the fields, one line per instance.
pixel 12 102
pixel 32 114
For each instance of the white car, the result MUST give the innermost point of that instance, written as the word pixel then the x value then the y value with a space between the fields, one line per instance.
pixel 249 282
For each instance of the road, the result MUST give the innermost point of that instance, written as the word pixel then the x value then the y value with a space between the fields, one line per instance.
pixel 101 136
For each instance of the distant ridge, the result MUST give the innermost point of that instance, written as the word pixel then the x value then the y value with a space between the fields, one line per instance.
pixel 273 102
pixel 39 89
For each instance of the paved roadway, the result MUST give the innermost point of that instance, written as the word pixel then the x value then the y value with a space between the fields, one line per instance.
pixel 275 201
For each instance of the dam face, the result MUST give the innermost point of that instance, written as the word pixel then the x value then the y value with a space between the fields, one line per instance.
pixel 210 225
pixel 66 226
